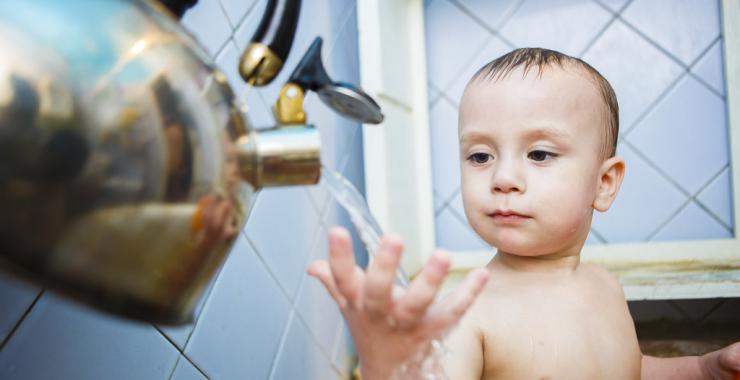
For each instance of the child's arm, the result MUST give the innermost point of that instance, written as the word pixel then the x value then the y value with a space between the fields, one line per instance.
pixel 389 324
pixel 721 364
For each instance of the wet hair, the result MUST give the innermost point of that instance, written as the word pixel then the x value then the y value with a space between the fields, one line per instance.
pixel 528 58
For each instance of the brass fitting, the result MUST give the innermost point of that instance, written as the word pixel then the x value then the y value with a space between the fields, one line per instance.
pixel 281 156
pixel 289 107
pixel 259 65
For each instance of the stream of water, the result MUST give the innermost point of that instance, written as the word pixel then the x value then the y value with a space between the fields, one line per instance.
pixel 359 213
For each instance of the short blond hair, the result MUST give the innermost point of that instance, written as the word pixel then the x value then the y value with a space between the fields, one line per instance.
pixel 527 58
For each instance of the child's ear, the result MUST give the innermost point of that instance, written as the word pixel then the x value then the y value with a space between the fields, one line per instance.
pixel 610 179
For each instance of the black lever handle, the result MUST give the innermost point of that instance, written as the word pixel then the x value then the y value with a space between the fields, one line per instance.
pixel 278 25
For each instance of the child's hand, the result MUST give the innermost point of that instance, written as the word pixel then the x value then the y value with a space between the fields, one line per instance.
pixel 388 323
pixel 722 364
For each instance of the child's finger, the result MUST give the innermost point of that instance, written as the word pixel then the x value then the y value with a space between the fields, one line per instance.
pixel 347 278
pixel 446 313
pixel 380 278
pixel 422 291
pixel 321 270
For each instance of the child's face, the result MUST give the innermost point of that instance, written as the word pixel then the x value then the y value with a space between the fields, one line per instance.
pixel 530 151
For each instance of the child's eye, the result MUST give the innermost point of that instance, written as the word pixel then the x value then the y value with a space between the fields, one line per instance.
pixel 541 155
pixel 480 158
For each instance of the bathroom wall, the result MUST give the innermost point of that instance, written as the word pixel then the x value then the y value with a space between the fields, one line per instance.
pixel 261 318
pixel 665 61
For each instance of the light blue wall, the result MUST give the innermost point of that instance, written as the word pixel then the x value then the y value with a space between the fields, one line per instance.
pixel 262 318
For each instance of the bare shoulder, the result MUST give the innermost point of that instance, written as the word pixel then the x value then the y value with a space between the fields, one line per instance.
pixel 602 278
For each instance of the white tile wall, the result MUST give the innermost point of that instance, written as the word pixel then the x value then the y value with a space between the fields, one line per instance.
pixel 256 320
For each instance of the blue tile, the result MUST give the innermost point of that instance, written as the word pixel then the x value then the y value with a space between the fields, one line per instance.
pixel 692 223
pixel 639 83
pixel 457 205
pixel 208 23
pixel 645 201
pixel 711 68
pixel 717 197
pixel 316 307
pixel 445 149
pixel 593 240
pixel 439 202
pixel 283 227
pixel 300 358
pixel 452 39
pixel 492 13
pixel 684 28
pixel 237 9
pixel 454 235
pixel 246 29
pixel 180 334
pixel 74 342
pixel 432 94
pixel 342 57
pixel 185 371
pixel 563 25
pixel 685 134
pixel 228 62
pixel 244 318
pixel 614 5
pixel 493 49
pixel 16 296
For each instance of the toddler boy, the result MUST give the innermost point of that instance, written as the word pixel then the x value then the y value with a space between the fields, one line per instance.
pixel 538 133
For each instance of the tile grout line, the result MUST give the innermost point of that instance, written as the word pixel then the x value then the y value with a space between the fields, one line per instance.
pixel 689 200
pixel 651 106
pixel 597 36
pixel 598 236
pixel 21 320
pixel 705 207
pixel 703 319
pixel 664 94
pixel 657 168
pixel 491 31
pixel 668 220
pixel 181 352
pixel 281 345
pixel 172 374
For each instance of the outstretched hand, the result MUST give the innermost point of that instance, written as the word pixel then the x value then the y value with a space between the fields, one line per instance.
pixel 389 324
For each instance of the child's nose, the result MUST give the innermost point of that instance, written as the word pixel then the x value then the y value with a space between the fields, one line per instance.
pixel 506 178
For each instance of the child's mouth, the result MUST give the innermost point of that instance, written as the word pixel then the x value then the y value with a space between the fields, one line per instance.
pixel 508 217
